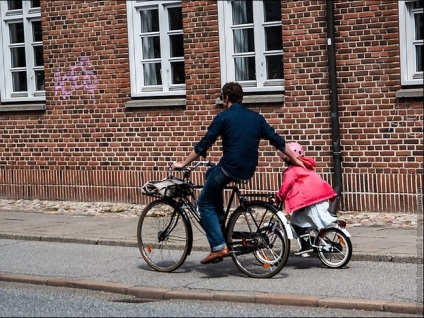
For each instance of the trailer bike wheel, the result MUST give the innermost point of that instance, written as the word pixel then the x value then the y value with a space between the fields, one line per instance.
pixel 334 248
pixel 258 243
pixel 164 236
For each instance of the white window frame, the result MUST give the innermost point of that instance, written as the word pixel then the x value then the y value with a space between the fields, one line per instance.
pixel 138 89
pixel 227 49
pixel 27 15
pixel 409 74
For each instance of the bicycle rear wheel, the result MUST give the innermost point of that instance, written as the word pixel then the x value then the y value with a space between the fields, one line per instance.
pixel 164 235
pixel 335 248
pixel 257 240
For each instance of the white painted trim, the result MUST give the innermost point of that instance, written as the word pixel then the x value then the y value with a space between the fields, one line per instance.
pixel 27 15
pixel 134 45
pixel 226 49
pixel 406 46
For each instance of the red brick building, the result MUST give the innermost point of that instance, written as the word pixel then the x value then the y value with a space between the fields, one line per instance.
pixel 97 97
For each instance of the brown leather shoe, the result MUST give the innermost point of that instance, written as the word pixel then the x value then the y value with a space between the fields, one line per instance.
pixel 216 256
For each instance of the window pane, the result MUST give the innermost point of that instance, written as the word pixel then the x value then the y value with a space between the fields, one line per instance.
pixel 36 31
pixel 273 38
pixel 16 32
pixel 17 55
pixel 149 21
pixel 152 74
pixel 175 18
pixel 245 68
pixel 419 52
pixel 178 76
pixel 14 4
pixel 244 41
pixel 39 80
pixel 177 48
pixel 419 26
pixel 38 55
pixel 242 12
pixel 274 67
pixel 151 47
pixel 35 3
pixel 417 4
pixel 272 11
pixel 19 81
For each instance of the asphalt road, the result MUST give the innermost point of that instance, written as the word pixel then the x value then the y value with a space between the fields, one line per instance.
pixel 360 279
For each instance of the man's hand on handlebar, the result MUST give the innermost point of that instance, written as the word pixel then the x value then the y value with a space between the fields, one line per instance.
pixel 182 164
pixel 178 165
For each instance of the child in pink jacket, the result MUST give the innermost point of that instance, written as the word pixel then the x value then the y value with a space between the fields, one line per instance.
pixel 306 195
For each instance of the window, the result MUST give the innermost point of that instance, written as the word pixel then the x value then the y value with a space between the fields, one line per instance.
pixel 250 34
pixel 411 41
pixel 155 31
pixel 21 49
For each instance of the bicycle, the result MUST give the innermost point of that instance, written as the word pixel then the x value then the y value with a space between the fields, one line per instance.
pixel 332 244
pixel 257 234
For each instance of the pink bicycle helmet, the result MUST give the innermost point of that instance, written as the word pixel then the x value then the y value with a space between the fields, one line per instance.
pixel 296 148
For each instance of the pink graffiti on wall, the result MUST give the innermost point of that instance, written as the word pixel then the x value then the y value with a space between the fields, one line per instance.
pixel 79 76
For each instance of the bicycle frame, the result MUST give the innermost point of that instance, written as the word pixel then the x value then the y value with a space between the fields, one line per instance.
pixel 184 201
pixel 186 204
pixel 189 202
pixel 253 228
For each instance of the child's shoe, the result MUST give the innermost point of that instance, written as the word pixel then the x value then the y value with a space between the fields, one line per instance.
pixel 305 246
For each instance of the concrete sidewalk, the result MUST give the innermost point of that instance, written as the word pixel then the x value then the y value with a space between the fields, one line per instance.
pixel 382 244
pixel 369 243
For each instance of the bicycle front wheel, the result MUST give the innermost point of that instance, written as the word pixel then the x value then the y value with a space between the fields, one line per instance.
pixel 257 240
pixel 164 236
pixel 334 248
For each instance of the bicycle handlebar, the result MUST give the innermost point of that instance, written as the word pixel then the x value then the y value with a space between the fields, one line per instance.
pixel 204 163
pixel 187 170
pixel 200 163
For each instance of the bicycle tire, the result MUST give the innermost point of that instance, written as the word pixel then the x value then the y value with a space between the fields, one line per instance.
pixel 257 240
pixel 334 248
pixel 164 235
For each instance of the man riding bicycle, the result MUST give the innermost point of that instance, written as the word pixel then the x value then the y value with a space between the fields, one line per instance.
pixel 241 130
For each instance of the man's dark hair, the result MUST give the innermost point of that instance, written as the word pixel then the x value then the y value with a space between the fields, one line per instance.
pixel 234 91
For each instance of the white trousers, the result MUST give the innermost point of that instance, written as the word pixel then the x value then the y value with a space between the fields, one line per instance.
pixel 313 215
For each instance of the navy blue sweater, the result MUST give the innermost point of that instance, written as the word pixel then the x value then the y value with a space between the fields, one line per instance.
pixel 241 130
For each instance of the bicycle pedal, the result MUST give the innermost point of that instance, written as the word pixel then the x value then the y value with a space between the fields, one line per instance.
pixel 217 260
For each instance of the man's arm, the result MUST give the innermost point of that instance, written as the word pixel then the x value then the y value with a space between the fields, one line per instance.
pixel 269 133
pixel 181 164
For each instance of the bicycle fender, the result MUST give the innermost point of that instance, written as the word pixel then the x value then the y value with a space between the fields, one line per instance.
pixel 286 224
pixel 346 232
pixel 335 226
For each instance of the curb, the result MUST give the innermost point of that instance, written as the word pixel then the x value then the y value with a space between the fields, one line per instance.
pixel 126 243
pixel 154 293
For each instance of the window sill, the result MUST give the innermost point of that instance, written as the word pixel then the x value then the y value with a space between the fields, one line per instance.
pixel 258 99
pixel 142 103
pixel 22 107
pixel 411 92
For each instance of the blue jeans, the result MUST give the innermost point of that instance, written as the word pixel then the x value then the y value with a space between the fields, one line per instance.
pixel 211 206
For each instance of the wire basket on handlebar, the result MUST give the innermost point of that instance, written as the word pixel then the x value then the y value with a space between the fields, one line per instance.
pixel 172 187
pixel 169 187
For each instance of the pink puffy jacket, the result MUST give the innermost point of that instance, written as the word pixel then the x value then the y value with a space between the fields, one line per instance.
pixel 302 187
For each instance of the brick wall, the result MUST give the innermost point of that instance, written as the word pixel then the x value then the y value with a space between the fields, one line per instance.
pixel 381 135
pixel 87 146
